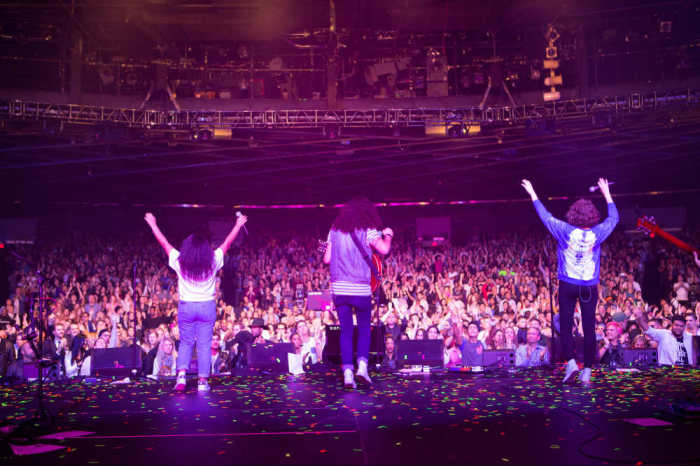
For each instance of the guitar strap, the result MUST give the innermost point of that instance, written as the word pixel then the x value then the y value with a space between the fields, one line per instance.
pixel 374 270
pixel 365 256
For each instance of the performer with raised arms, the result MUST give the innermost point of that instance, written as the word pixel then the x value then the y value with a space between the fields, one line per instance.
pixel 578 253
pixel 196 265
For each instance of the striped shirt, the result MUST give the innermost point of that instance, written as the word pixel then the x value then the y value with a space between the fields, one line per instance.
pixel 348 288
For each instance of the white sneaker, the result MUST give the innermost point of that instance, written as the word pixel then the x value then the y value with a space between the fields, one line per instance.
pixel 362 371
pixel 203 386
pixel 571 369
pixel 349 380
pixel 180 382
pixel 585 376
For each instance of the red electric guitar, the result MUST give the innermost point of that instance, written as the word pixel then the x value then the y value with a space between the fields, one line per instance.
pixel 375 280
pixel 649 226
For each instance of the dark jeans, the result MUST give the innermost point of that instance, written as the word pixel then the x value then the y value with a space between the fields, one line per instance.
pixel 363 307
pixel 588 298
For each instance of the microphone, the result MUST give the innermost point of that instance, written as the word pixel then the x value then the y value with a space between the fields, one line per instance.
pixel 239 214
pixel 593 189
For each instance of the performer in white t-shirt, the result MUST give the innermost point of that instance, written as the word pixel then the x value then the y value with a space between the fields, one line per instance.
pixel 196 265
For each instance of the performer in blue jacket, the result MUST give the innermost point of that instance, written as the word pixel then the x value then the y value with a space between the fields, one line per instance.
pixel 578 253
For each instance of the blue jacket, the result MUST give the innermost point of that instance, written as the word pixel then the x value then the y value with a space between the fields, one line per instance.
pixel 578 249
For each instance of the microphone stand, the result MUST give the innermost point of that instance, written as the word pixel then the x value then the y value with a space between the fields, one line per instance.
pixel 42 421
pixel 552 345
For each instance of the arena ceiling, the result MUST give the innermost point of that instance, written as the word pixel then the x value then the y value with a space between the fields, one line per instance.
pixel 640 152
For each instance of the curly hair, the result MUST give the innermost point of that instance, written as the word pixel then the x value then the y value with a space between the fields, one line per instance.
pixel 196 258
pixel 583 214
pixel 357 214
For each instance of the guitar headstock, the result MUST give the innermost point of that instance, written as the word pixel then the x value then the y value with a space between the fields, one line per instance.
pixel 647 225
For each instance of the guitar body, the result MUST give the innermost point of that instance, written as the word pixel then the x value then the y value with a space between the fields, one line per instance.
pixel 376 281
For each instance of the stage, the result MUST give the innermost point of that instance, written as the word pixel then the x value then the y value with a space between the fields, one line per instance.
pixel 502 417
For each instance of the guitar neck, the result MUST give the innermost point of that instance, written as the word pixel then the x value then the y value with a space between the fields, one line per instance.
pixel 675 241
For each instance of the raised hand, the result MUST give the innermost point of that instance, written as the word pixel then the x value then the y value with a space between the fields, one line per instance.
pixel 695 256
pixel 604 186
pixel 241 220
pixel 150 219
pixel 638 313
pixel 530 190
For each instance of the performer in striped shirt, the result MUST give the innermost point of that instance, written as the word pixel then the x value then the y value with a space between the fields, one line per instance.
pixel 351 275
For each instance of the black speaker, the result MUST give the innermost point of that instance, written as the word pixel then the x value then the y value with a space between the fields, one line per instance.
pixel 269 356
pixel 119 362
pixel 331 351
pixel 499 358
pixel 419 353
pixel 640 357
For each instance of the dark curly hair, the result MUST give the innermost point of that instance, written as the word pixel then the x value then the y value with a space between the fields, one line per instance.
pixel 196 258
pixel 357 214
pixel 583 214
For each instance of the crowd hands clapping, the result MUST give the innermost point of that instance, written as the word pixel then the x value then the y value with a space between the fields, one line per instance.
pixel 493 292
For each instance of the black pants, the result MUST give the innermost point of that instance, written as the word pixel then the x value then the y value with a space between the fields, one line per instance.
pixel 588 298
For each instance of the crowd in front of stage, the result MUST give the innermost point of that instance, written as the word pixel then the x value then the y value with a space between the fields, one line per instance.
pixel 492 293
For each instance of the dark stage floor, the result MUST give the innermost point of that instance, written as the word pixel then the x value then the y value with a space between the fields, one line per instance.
pixel 523 417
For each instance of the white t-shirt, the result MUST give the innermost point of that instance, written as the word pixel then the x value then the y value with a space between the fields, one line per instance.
pixel 196 291
pixel 668 350
pixel 681 289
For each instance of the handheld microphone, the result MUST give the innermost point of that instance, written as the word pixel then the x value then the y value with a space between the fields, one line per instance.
pixel 239 214
pixel 593 189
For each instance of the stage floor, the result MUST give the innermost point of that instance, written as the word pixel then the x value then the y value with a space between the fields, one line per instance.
pixel 519 417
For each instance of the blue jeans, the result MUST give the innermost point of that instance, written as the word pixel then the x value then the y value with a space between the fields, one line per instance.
pixel 363 308
pixel 196 323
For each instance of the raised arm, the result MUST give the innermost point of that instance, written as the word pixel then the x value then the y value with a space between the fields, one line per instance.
pixel 604 186
pixel 530 189
pixel 240 221
pixel 641 319
pixel 555 226
pixel 613 216
pixel 383 245
pixel 327 253
pixel 151 220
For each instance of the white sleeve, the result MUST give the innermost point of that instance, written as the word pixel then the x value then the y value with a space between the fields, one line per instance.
pixel 218 259
pixel 656 333
pixel 172 259
pixel 372 235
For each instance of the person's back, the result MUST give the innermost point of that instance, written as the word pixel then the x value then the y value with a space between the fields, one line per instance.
pixel 579 239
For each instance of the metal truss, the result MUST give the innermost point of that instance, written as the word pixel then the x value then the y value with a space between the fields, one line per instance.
pixel 369 118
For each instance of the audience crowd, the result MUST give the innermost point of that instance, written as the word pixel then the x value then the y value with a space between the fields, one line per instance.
pixel 490 294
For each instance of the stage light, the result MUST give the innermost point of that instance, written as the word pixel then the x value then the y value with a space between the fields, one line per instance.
pixel 551 63
pixel 553 81
pixel 550 96
pixel 202 135
pixel 454 131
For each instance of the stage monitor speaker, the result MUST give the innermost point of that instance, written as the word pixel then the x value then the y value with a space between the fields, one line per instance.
pixel 331 352
pixel 318 300
pixel 639 357
pixel 499 358
pixel 269 356
pixel 419 353
pixel 119 362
